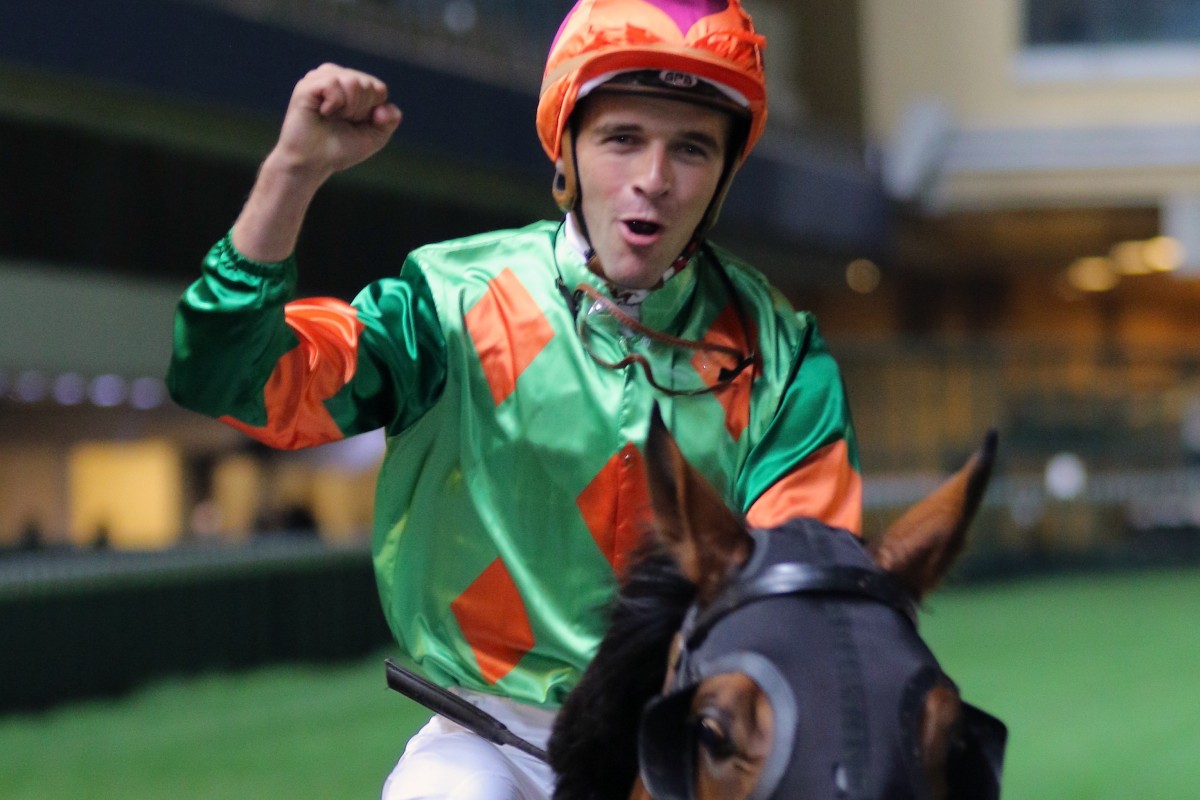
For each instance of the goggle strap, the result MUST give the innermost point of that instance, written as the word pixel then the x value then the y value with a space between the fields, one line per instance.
pixel 663 338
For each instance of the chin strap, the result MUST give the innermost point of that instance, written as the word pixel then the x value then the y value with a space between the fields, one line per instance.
pixel 566 183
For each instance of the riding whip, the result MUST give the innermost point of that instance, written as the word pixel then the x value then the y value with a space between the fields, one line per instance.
pixel 454 708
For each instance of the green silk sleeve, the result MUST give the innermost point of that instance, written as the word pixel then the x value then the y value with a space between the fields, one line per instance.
pixel 229 333
pixel 402 356
pixel 294 373
pixel 813 413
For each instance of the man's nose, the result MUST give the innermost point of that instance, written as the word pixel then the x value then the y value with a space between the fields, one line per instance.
pixel 654 172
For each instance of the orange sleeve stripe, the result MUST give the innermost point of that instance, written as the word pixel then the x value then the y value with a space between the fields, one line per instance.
pixel 824 486
pixel 316 369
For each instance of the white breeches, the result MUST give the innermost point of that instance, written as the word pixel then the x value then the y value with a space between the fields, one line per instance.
pixel 445 761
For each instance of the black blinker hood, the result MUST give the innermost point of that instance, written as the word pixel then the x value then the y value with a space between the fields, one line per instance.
pixel 846 719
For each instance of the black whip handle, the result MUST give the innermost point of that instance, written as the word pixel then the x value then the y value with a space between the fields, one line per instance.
pixel 454 708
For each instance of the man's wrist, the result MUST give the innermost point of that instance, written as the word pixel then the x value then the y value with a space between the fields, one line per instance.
pixel 285 174
pixel 269 225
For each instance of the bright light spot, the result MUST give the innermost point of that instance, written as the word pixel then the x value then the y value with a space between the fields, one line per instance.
pixel 1066 476
pixel 107 391
pixel 459 16
pixel 147 393
pixel 863 276
pixel 70 389
pixel 1162 254
pixel 30 387
pixel 1128 259
pixel 1092 274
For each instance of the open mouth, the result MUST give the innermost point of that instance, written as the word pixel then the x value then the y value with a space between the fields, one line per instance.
pixel 642 227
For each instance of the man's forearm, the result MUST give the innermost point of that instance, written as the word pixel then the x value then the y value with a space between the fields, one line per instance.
pixel 337 117
pixel 270 222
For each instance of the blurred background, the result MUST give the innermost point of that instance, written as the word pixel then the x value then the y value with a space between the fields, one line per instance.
pixel 993 208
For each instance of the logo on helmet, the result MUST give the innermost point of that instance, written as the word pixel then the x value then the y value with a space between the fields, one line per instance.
pixel 680 80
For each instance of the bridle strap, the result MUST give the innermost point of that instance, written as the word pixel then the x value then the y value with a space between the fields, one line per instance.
pixel 793 578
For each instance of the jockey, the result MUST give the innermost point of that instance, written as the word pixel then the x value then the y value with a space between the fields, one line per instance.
pixel 515 372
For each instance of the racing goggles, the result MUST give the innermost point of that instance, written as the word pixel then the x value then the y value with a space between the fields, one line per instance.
pixel 673 365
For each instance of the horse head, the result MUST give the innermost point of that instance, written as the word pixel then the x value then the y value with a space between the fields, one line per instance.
pixel 798 671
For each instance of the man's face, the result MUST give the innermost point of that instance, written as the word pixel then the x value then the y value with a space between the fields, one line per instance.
pixel 648 169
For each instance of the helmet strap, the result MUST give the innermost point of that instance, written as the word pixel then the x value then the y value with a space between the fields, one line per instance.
pixel 735 152
pixel 566 181
pixel 567 193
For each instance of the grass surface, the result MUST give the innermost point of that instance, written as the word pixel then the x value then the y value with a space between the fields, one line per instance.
pixel 294 732
pixel 1097 678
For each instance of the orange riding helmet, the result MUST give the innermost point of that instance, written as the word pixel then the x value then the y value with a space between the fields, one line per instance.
pixel 713 40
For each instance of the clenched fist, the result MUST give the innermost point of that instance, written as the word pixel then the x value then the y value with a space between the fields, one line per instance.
pixel 337 117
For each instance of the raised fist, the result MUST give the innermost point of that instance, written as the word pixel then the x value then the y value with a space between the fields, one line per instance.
pixel 337 118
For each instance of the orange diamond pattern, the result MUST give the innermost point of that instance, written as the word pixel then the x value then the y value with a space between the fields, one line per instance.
pixel 735 398
pixel 508 330
pixel 494 622
pixel 616 506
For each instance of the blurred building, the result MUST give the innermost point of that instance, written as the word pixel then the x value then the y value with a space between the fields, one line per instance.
pixel 130 132
pixel 1044 162
pixel 993 208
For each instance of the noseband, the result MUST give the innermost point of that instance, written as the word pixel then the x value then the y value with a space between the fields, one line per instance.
pixel 810 609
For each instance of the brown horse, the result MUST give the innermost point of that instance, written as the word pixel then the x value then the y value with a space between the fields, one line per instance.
pixel 777 664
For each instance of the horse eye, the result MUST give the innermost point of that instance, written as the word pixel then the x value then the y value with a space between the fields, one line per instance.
pixel 710 734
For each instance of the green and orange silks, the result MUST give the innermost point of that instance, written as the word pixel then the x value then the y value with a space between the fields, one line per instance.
pixel 512 489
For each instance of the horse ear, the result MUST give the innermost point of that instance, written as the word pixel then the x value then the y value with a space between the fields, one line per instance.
pixel 705 538
pixel 920 546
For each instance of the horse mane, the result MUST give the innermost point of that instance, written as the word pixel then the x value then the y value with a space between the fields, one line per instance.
pixel 593 746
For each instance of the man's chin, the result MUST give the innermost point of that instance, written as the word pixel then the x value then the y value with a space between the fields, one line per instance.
pixel 631 282
pixel 632 273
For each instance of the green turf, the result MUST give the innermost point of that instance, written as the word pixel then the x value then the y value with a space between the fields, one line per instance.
pixel 1098 679
pixel 295 732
